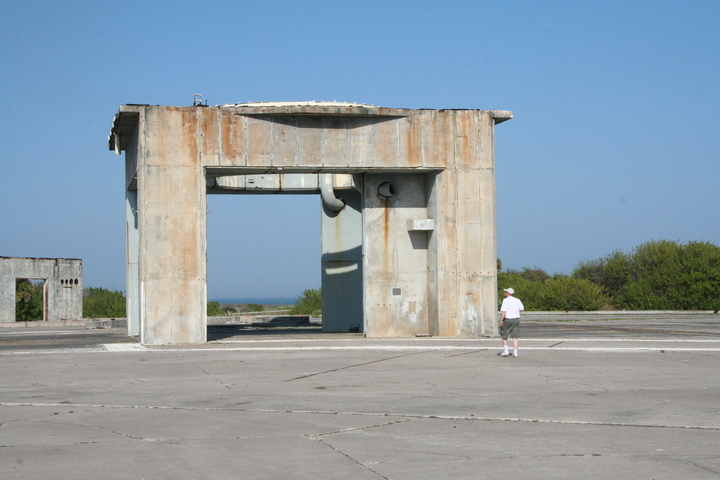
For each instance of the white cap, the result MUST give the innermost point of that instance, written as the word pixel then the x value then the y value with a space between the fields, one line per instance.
pixel 510 291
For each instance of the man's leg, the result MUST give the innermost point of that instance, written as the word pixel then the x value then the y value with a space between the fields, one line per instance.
pixel 505 352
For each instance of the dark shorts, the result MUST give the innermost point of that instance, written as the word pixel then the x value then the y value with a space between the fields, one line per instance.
pixel 511 328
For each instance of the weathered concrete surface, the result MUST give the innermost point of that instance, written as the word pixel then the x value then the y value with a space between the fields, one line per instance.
pixel 38 324
pixel 343 406
pixel 342 274
pixel 441 281
pixel 63 286
pixel 172 222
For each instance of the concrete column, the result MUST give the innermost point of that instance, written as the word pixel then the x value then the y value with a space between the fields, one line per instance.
pixel 132 296
pixel 443 255
pixel 463 251
pixel 488 227
pixel 342 265
pixel 172 218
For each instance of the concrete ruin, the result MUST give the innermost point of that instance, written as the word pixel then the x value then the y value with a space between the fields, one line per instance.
pixel 63 289
pixel 408 200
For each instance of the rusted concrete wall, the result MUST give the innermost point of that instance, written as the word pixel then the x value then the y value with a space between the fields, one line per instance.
pixel 396 260
pixel 63 286
pixel 439 278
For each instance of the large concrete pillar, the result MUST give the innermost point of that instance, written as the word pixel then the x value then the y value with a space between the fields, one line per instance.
pixel 463 250
pixel 172 229
pixel 486 229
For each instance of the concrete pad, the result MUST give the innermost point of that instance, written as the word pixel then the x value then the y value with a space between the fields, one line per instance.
pixel 461 448
pixel 333 407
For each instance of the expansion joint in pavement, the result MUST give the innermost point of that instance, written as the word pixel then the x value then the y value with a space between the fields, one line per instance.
pixel 349 457
pixel 357 365
pixel 366 414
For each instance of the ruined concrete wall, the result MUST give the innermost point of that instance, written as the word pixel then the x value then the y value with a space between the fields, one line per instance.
pixel 63 286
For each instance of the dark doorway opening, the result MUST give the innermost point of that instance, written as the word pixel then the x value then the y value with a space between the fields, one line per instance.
pixel 30 300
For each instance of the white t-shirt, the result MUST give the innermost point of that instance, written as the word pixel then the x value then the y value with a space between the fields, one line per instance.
pixel 512 307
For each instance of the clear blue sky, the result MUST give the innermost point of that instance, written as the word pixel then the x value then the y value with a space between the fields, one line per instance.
pixel 615 140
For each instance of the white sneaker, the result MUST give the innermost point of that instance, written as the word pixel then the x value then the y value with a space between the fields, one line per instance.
pixel 514 354
pixel 504 354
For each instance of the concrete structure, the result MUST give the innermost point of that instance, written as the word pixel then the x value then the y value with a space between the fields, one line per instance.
pixel 63 289
pixel 409 236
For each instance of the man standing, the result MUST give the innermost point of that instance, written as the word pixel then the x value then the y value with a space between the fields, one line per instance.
pixel 510 321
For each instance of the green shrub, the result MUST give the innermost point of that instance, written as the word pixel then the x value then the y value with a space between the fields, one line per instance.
pixel 612 272
pixel 214 309
pixel 526 290
pixel 534 274
pixel 310 303
pixel 255 307
pixel 232 308
pixel 668 275
pixel 102 303
pixel 657 275
pixel 570 294
pixel 557 293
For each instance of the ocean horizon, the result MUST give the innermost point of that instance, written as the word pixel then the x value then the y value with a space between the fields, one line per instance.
pixel 259 300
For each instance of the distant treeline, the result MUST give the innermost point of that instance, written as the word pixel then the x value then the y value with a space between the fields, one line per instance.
pixel 97 302
pixel 309 303
pixel 657 275
pixel 102 303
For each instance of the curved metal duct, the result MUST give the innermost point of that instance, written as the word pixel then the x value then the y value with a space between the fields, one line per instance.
pixel 327 193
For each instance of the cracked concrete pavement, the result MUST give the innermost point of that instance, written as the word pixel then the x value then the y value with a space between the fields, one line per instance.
pixel 348 407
